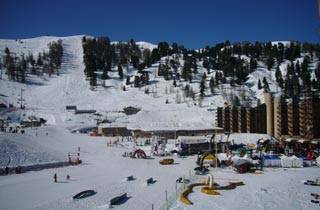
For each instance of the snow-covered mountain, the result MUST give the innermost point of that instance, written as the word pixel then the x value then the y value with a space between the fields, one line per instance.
pixel 49 96
pixel 163 105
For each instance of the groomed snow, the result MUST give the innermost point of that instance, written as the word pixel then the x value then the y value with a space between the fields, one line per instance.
pixel 104 170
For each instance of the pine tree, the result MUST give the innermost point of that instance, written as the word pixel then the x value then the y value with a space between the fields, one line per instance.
pixel 105 75
pixel 7 58
pixel 265 84
pixel 253 65
pixel 211 84
pixel 23 64
pixel 259 85
pixel 298 71
pixel 305 74
pixel 135 61
pixel 175 48
pixel 278 73
pixel 147 57
pixel 203 85
pixel 120 71
pixel 10 65
pixel 90 61
pixel 155 55
pixel 186 71
pixel 147 78
pixel 39 60
pixel 317 72
pixel 163 48
pixel 186 90
pixel 206 65
pixel 270 62
pixel 128 80
pixel 236 101
pixel 174 83
pixel 136 81
pixel 194 66
pixel 279 78
pixel 93 80
pixel 190 78
pixel 32 63
pixel 55 54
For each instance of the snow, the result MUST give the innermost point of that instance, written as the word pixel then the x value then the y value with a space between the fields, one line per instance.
pixel 50 95
pixel 104 168
pixel 146 45
pixel 276 188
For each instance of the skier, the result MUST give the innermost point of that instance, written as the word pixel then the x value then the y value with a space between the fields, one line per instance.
pixel 68 177
pixel 55 178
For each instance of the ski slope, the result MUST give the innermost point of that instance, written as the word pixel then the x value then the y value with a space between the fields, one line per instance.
pixel 51 95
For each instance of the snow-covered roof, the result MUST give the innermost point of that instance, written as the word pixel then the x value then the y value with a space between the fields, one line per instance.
pixel 193 139
pixel 112 125
pixel 242 138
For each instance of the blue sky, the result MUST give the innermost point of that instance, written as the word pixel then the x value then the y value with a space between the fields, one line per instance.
pixel 194 23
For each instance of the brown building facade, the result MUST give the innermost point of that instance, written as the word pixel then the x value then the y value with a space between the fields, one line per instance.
pixel 299 118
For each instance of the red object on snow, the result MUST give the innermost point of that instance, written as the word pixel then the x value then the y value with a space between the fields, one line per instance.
pixel 94 133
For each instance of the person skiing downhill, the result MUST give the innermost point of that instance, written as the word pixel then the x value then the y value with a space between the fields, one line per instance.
pixel 55 178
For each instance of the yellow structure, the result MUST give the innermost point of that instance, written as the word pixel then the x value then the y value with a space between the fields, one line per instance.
pixel 209 188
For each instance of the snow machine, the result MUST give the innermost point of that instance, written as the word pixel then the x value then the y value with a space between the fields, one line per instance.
pixel 182 180
pixel 130 178
pixel 150 181
pixel 84 194
pixel 119 199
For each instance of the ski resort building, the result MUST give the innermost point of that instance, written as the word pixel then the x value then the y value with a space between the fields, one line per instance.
pixel 108 129
pixel 242 119
pixel 172 134
pixel 298 119
pixel 293 119
pixel 280 118
pixel 309 118
pixel 111 129
pixel 194 144
pixel 32 121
